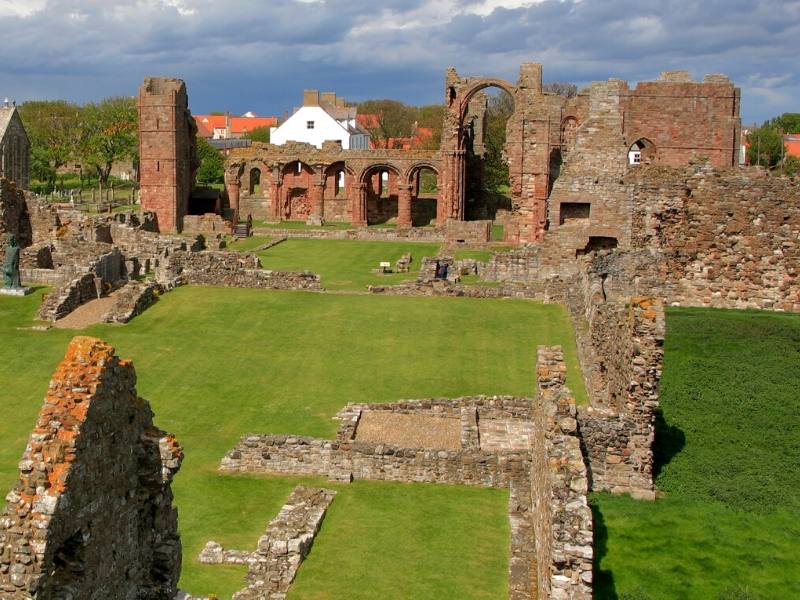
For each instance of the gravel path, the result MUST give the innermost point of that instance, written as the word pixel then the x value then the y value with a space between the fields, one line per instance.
pixel 409 431
pixel 86 314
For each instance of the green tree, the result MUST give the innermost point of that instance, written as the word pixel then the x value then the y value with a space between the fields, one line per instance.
pixel 53 128
pixel 212 163
pixel 108 134
pixel 765 146
pixel 259 134
pixel 500 108
pixel 561 88
pixel 787 122
pixel 432 117
pixel 392 118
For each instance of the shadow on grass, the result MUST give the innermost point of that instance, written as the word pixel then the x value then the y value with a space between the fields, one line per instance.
pixel 669 440
pixel 604 588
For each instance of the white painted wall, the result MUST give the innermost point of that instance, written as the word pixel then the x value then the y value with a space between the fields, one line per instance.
pixel 295 128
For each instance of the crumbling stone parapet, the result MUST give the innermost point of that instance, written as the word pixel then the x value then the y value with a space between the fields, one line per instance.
pixel 91 514
pixel 559 484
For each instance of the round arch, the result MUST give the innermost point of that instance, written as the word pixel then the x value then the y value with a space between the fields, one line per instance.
pixel 412 171
pixel 363 176
pixel 482 84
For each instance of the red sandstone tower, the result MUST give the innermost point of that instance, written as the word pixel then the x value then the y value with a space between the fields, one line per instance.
pixel 167 150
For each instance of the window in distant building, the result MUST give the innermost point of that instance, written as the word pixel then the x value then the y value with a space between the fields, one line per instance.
pixel 309 124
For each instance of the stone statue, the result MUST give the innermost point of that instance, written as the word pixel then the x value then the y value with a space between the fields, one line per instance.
pixel 11 264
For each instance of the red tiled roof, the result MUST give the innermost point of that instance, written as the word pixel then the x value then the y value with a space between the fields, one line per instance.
pixel 206 124
pixel 242 124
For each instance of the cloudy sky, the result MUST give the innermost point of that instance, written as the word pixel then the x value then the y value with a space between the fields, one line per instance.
pixel 241 55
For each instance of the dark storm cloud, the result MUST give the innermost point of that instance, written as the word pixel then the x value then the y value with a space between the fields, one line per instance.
pixel 260 55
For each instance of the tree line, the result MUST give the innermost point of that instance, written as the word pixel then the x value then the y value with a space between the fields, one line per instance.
pixel 93 135
pixel 766 147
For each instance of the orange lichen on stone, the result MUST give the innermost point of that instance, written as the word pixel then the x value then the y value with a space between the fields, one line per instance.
pixel 96 471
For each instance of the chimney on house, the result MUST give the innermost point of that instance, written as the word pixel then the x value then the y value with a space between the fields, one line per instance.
pixel 328 98
pixel 310 97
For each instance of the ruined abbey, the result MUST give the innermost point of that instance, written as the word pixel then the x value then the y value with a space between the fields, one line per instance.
pixel 623 200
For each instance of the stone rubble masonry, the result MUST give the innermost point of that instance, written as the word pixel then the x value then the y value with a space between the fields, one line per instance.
pixel 132 300
pixel 230 269
pixel 209 224
pixel 15 216
pixel 91 514
pixel 693 236
pixel 167 151
pixel 491 421
pixel 102 274
pixel 283 547
pixel 622 370
pixel 559 483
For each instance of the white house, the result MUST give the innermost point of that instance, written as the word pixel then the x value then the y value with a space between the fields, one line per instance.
pixel 323 117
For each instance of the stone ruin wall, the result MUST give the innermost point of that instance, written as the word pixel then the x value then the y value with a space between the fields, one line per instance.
pixel 723 238
pixel 622 362
pixel 563 527
pixel 91 515
pixel 693 236
pixel 167 151
pixel 14 216
pixel 230 269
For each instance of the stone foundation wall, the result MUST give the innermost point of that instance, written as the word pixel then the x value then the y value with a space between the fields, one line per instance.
pixel 230 269
pixel 345 461
pixel 60 302
pixel 561 515
pixel 91 514
pixel 467 231
pixel 208 224
pixel 283 547
pixel 622 370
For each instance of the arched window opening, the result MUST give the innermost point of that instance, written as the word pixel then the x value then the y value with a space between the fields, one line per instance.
pixel 383 184
pixel 299 167
pixel 641 151
pixel 338 185
pixel 255 181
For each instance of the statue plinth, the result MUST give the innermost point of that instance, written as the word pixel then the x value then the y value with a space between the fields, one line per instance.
pixel 15 291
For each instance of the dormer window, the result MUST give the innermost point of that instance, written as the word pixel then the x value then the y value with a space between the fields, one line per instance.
pixel 309 124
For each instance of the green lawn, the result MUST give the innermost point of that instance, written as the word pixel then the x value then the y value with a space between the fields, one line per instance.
pixel 345 264
pixel 248 244
pixel 329 225
pixel 216 363
pixel 729 522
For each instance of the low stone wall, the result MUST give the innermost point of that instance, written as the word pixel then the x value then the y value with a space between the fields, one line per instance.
pixel 467 231
pixel 230 269
pixel 283 547
pixel 345 461
pixel 132 300
pixel 376 234
pixel 208 224
pixel 59 303
pixel 91 514
pixel 559 483
pixel 545 291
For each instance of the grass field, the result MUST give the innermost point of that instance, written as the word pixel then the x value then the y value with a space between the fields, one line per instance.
pixel 345 264
pixel 728 525
pixel 216 363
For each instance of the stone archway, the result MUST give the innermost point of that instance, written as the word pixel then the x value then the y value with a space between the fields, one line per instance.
pixel 420 209
pixel 529 168
pixel 382 187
